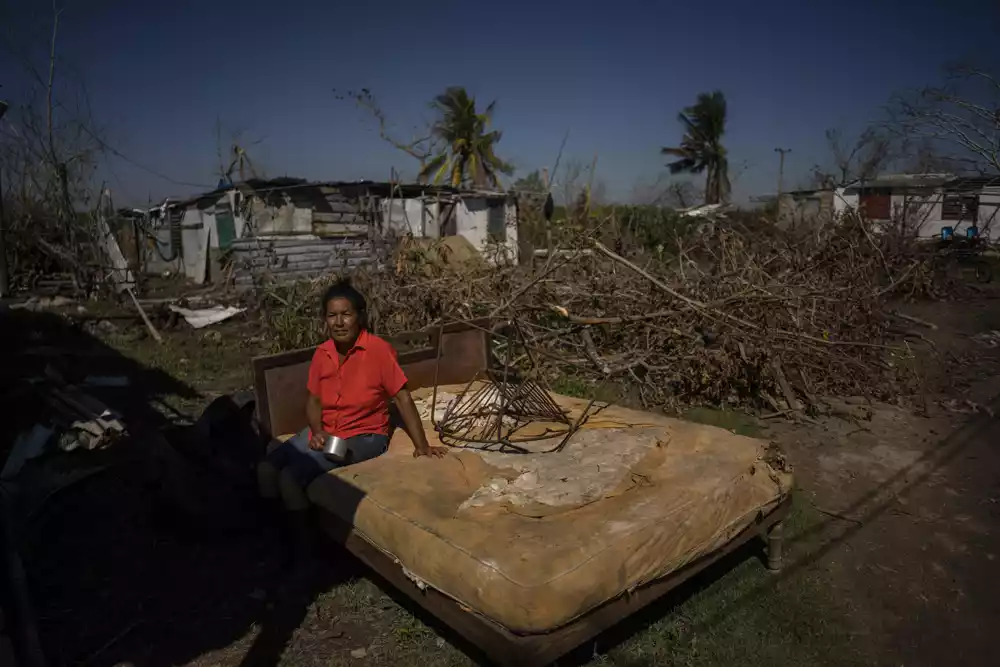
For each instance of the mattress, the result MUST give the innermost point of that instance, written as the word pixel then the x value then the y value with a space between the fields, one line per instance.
pixel 534 540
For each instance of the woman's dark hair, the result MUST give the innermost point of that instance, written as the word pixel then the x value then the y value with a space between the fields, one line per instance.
pixel 342 289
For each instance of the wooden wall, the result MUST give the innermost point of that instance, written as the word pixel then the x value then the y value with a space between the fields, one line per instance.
pixel 285 259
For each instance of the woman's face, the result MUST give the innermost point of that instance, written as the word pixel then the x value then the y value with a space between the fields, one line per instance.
pixel 342 321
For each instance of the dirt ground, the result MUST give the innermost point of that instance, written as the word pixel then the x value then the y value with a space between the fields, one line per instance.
pixel 912 505
pixel 892 546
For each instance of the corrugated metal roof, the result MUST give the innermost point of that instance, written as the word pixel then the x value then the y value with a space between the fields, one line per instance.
pixel 349 189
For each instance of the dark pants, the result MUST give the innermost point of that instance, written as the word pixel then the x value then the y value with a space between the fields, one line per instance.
pixel 304 464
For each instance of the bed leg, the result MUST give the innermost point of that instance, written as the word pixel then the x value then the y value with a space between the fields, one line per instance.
pixel 775 546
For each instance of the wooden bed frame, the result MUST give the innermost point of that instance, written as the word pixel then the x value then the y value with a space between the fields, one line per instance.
pixel 280 383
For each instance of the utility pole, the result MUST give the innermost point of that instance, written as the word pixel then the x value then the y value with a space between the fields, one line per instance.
pixel 548 216
pixel 4 277
pixel 781 174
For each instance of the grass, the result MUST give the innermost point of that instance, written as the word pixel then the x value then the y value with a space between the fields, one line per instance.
pixel 738 422
pixel 361 616
pixel 578 387
pixel 211 362
pixel 751 617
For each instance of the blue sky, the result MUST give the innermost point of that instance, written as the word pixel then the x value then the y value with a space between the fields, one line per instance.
pixel 613 74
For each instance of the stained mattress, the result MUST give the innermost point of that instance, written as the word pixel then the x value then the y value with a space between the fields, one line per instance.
pixel 533 541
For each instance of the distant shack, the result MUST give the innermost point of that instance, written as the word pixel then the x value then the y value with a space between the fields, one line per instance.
pixel 287 229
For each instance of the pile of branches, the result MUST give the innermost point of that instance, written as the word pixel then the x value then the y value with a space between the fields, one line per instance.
pixel 755 318
pixel 42 243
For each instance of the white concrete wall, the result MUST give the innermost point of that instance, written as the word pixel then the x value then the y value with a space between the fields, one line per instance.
pixel 235 203
pixel 407 216
pixel 989 212
pixel 843 202
pixel 471 219
pixel 208 219
pixel 510 221
pixel 270 220
pixel 159 246
pixel 925 212
pixel 472 216
pixel 194 244
pixel 432 218
pixel 922 213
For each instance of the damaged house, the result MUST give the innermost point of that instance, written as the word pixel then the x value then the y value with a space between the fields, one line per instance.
pixel 288 229
pixel 928 204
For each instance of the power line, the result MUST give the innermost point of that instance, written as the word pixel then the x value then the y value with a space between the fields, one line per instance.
pixel 143 167
pixel 111 149
pixel 212 188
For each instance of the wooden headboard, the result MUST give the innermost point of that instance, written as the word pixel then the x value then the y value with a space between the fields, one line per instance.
pixel 280 379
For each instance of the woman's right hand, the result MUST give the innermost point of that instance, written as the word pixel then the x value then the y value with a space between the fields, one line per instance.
pixel 317 440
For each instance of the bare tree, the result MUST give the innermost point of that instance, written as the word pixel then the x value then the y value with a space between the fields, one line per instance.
pixel 572 181
pixel 599 193
pixel 50 150
pixel 872 151
pixel 680 194
pixel 666 190
pixel 960 119
pixel 923 157
pixel 421 147
pixel 233 155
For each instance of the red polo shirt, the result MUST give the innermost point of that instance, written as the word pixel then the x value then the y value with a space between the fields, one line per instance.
pixel 355 393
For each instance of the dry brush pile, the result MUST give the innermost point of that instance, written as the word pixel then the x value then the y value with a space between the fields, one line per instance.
pixel 759 319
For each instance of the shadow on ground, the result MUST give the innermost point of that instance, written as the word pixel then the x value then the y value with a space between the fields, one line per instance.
pixel 154 560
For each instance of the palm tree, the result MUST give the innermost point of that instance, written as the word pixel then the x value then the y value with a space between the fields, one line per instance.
pixel 701 146
pixel 466 142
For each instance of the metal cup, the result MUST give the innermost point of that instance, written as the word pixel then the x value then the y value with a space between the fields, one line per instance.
pixel 335 448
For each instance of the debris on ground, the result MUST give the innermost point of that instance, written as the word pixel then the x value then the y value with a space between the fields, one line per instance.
pixel 761 318
pixel 145 318
pixel 989 338
pixel 82 420
pixel 204 317
pixel 40 303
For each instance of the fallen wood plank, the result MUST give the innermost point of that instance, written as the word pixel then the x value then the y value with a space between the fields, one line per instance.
pixel 308 251
pixel 324 259
pixel 257 243
pixel 149 325
pixel 352 216
pixel 296 270
pixel 786 389
pixel 914 320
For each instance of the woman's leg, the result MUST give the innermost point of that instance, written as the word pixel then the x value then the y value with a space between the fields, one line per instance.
pixel 303 467
pixel 301 464
pixel 267 480
pixel 274 461
pixel 364 447
pixel 283 475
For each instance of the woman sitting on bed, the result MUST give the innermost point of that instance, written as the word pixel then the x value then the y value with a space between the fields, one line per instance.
pixel 352 378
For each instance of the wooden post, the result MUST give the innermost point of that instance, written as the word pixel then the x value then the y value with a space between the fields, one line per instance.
pixel 781 177
pixel 145 318
pixel 548 223
pixel 775 545
pixel 140 265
